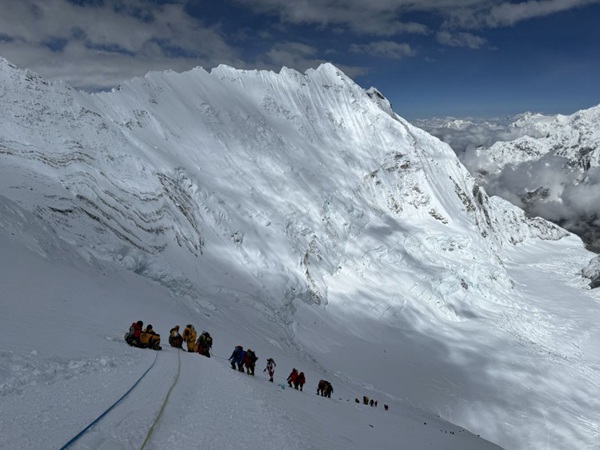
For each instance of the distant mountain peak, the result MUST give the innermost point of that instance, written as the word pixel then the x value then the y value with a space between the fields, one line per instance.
pixel 545 164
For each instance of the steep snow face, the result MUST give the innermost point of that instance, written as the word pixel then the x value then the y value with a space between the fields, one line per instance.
pixel 309 199
pixel 185 164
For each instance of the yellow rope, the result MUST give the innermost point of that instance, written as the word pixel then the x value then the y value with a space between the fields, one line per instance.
pixel 162 408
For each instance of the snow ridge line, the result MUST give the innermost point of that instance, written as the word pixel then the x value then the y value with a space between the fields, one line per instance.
pixel 162 408
pixel 95 421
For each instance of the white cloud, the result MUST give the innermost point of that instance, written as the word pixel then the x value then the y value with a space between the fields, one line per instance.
pixel 460 39
pixel 388 18
pixel 293 55
pixel 492 15
pixel 103 45
pixel 301 57
pixel 583 198
pixel 375 17
pixel 99 45
pixel 387 49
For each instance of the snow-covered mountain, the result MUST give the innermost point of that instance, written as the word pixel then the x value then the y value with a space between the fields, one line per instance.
pixel 358 243
pixel 548 165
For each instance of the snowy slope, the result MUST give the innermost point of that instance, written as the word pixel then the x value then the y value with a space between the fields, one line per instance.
pixel 297 214
pixel 64 363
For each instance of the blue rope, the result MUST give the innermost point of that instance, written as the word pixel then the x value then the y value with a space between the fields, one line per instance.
pixel 110 408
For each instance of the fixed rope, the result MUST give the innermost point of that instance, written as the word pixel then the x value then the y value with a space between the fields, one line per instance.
pixel 162 408
pixel 94 422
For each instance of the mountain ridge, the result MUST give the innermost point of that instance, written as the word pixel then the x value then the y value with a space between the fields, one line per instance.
pixel 546 164
pixel 175 192
pixel 299 194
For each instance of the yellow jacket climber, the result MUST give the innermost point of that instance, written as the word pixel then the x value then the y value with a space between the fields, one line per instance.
pixel 189 336
pixel 149 338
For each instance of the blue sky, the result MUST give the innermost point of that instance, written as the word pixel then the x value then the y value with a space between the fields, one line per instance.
pixel 430 58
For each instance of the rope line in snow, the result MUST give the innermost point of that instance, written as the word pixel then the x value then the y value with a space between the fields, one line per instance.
pixel 160 412
pixel 95 421
pixel 162 408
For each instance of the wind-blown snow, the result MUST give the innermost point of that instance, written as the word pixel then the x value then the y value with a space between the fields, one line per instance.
pixel 295 214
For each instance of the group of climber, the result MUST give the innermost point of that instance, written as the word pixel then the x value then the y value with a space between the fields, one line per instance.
pixel 240 359
pixel 194 343
pixel 142 338
pixel 371 402
pixel 148 338
pixel 243 359
pixel 324 388
pixel 297 379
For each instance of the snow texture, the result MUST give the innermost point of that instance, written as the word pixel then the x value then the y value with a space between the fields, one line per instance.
pixel 295 214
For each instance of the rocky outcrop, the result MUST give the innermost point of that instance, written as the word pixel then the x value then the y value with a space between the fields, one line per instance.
pixel 592 271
